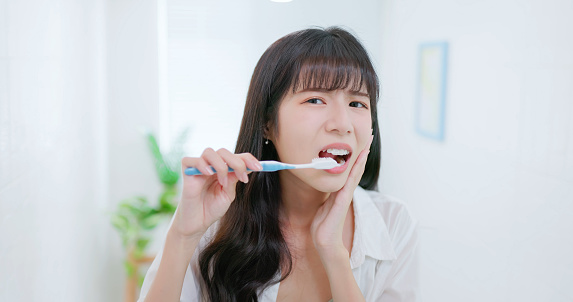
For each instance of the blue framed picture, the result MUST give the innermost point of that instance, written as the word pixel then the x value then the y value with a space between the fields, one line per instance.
pixel 431 98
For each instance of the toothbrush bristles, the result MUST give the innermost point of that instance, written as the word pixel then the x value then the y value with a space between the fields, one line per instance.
pixel 324 163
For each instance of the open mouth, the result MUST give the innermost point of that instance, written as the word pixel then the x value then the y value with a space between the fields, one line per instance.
pixel 339 155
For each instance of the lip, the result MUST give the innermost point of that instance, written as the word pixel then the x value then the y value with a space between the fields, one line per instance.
pixel 339 169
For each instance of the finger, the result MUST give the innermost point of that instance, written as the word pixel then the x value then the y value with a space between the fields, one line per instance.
pixel 355 174
pixel 229 189
pixel 359 167
pixel 337 207
pixel 370 142
pixel 214 159
pixel 236 163
pixel 360 163
pixel 251 161
pixel 187 162
pixel 330 201
pixel 195 162
pixel 202 166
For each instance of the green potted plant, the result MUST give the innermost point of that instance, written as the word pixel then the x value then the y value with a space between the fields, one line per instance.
pixel 135 218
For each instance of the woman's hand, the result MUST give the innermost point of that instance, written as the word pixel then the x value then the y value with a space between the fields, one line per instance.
pixel 206 198
pixel 327 226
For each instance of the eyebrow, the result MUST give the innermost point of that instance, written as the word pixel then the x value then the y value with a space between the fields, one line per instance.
pixel 352 92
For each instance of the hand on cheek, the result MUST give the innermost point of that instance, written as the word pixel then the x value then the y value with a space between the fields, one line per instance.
pixel 326 228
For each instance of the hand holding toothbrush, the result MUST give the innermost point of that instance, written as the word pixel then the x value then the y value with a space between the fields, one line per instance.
pixel 206 198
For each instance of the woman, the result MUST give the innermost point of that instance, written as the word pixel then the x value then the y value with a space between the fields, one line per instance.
pixel 293 235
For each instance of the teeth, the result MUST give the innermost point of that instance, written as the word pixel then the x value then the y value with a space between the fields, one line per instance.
pixel 336 151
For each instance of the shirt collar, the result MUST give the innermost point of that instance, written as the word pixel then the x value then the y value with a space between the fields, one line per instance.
pixel 371 237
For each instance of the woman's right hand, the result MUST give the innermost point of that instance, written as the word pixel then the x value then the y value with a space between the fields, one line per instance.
pixel 206 198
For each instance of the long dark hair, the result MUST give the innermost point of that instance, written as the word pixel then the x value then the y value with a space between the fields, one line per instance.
pixel 249 250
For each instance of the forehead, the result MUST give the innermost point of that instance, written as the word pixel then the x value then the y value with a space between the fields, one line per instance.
pixel 330 76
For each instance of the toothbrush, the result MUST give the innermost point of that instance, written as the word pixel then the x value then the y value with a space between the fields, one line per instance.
pixel 322 163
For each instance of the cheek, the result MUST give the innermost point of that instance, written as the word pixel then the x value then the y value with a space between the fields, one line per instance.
pixel 296 136
pixel 363 129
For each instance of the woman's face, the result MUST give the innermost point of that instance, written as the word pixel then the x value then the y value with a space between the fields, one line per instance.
pixel 319 123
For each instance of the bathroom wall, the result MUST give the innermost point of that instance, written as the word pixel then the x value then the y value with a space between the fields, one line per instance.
pixel 494 199
pixel 57 243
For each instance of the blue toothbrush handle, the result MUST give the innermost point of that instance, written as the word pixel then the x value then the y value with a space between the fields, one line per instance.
pixel 268 166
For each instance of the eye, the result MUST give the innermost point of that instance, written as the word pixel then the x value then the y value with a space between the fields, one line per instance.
pixel 358 105
pixel 315 101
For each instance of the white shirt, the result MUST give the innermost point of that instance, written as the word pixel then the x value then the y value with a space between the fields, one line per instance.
pixel 383 259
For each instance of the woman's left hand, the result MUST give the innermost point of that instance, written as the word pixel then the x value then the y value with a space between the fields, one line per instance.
pixel 327 226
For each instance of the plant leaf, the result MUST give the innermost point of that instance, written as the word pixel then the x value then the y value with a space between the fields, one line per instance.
pixel 166 174
pixel 142 243
pixel 120 222
pixel 140 281
pixel 129 268
pixel 167 203
pixel 150 222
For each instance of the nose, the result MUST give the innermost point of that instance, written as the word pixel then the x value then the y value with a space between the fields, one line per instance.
pixel 338 119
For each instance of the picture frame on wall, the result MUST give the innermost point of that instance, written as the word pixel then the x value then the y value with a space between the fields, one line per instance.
pixel 431 96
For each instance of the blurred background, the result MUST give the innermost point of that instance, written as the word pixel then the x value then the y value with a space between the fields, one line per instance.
pixel 83 82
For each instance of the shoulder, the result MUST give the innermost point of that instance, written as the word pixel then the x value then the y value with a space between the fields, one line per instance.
pixel 397 278
pixel 401 224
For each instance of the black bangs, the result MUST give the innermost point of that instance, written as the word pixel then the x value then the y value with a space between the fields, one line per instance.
pixel 335 63
pixel 328 75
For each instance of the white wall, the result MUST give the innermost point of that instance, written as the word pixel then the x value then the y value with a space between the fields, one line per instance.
pixel 133 91
pixel 495 198
pixel 78 83
pixel 133 79
pixel 56 240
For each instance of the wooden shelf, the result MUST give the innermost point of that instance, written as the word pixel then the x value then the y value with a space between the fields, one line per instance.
pixel 131 286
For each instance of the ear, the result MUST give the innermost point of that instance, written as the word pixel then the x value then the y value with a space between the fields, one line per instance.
pixel 268 132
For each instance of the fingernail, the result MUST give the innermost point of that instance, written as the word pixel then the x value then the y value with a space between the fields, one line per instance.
pixel 222 180
pixel 245 177
pixel 210 171
pixel 259 166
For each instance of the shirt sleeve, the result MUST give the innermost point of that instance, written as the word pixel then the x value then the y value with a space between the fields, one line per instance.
pixel 402 282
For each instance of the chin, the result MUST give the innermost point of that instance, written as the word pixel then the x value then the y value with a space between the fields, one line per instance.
pixel 329 185
pixel 320 180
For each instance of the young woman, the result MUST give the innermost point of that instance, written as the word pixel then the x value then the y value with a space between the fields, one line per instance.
pixel 293 235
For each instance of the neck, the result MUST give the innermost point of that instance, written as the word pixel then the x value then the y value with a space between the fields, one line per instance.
pixel 300 202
